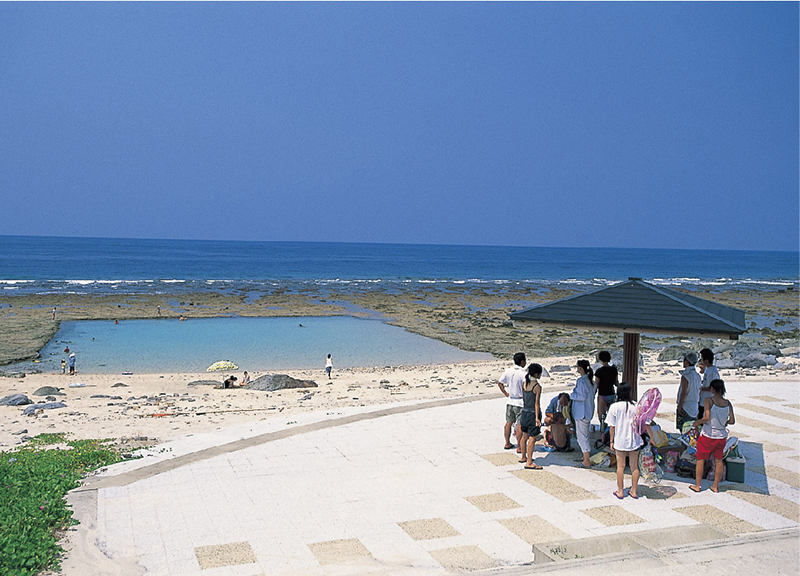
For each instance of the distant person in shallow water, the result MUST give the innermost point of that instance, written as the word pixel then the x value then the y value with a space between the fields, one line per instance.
pixel 328 366
pixel 72 363
pixel 606 378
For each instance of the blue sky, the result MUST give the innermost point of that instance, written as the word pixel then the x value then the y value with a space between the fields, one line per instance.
pixel 665 125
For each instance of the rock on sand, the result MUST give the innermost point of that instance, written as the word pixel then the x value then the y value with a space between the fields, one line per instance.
pixel 270 382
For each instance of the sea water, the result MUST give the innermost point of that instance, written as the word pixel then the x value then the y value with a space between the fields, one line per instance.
pixel 253 344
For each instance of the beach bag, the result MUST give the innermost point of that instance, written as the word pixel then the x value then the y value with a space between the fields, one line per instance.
pixel 689 437
pixel 649 468
pixel 671 461
pixel 646 409
pixel 731 448
pixel 660 438
pixel 685 469
pixel 712 467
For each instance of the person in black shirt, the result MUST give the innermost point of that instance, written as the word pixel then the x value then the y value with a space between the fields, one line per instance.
pixel 606 378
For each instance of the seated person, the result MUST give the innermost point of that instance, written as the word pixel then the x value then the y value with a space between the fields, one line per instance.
pixel 558 432
pixel 245 379
pixel 230 382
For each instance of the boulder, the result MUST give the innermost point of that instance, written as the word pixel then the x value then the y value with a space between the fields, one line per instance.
pixel 561 368
pixel 671 353
pixel 48 406
pixel 725 363
pixel 271 382
pixel 15 400
pixel 205 383
pixel 752 361
pixel 48 391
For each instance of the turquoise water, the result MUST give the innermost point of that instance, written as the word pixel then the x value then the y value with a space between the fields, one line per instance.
pixel 255 344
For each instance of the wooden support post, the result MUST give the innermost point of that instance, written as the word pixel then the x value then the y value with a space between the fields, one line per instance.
pixel 630 362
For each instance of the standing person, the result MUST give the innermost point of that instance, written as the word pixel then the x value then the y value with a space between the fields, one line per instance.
pixel 328 366
pixel 710 373
pixel 158 310
pixel 625 441
pixel 688 392
pixel 54 312
pixel 63 366
pixel 606 378
pixel 583 408
pixel 531 419
pixel 513 378
pixel 717 415
pixel 72 363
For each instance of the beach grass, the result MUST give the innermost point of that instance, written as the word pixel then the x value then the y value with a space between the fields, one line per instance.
pixel 34 481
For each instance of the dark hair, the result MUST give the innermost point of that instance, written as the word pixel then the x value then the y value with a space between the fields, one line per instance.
pixel 624 393
pixel 588 368
pixel 563 395
pixel 604 356
pixel 707 354
pixel 519 358
pixel 718 386
pixel 534 371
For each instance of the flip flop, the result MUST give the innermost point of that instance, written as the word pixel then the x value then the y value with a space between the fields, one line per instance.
pixel 521 460
pixel 714 491
pixel 618 496
pixel 509 447
pixel 580 465
pixel 694 488
pixel 534 467
pixel 632 496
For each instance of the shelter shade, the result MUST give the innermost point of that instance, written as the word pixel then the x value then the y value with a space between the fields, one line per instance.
pixel 635 307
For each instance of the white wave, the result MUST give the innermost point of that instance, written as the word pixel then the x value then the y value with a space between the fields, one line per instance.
pixel 16 281
pixel 173 281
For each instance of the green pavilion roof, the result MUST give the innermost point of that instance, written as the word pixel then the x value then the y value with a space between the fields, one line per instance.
pixel 637 306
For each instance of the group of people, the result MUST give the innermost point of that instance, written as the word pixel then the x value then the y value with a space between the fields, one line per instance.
pixel 69 360
pixel 700 401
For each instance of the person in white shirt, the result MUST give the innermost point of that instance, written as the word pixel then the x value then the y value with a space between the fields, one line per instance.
pixel 328 366
pixel 625 442
pixel 710 373
pixel 583 408
pixel 510 385
pixel 688 392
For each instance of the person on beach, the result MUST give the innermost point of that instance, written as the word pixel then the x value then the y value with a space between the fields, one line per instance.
pixel 717 416
pixel 72 363
pixel 583 409
pixel 557 436
pixel 510 385
pixel 245 378
pixel 328 366
pixel 710 373
pixel 531 418
pixel 54 312
pixel 63 366
pixel 688 392
pixel 606 378
pixel 625 441
pixel 158 310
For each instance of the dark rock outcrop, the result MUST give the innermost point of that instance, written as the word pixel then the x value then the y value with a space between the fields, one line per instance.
pixel 48 391
pixel 15 400
pixel 271 382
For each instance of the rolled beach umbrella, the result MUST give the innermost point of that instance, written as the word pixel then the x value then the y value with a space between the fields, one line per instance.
pixel 222 365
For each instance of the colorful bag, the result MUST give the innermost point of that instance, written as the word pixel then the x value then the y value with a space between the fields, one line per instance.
pixel 650 470
pixel 672 459
pixel 646 409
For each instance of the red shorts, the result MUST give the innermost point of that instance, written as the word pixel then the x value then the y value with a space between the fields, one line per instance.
pixel 710 446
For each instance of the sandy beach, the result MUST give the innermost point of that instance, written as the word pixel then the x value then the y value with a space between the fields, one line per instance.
pixel 155 408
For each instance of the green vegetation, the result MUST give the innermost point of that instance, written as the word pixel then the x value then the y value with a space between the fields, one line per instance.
pixel 34 480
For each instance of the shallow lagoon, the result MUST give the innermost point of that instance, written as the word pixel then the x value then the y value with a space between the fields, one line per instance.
pixel 254 344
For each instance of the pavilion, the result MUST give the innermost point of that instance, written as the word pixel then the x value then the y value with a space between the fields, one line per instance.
pixel 637 307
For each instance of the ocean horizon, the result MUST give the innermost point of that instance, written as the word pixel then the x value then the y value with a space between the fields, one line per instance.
pixel 42 265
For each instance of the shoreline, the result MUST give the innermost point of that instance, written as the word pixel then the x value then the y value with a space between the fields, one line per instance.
pixel 471 318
